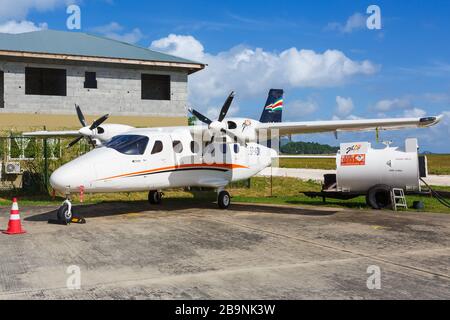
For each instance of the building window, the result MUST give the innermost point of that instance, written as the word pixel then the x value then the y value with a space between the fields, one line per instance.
pixel 90 80
pixel 155 87
pixel 42 81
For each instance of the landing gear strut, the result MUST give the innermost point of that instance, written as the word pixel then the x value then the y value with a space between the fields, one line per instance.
pixel 223 199
pixel 154 197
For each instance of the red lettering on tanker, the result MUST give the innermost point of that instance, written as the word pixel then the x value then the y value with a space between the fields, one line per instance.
pixel 353 160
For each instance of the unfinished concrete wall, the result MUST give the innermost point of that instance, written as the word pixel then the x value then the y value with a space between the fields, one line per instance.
pixel 2 105
pixel 118 93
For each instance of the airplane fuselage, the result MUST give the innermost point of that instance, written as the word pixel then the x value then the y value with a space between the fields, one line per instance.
pixel 146 159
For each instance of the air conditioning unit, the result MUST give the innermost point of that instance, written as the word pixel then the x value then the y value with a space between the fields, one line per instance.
pixel 12 168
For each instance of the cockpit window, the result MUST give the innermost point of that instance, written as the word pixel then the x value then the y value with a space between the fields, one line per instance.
pixel 129 144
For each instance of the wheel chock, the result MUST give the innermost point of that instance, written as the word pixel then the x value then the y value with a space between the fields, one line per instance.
pixel 65 223
pixel 78 220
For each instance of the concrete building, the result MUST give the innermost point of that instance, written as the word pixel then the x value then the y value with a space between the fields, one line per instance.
pixel 44 74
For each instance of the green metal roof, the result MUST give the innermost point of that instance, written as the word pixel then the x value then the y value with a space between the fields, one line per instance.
pixel 81 44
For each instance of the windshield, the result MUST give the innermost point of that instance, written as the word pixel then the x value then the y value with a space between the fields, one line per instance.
pixel 129 144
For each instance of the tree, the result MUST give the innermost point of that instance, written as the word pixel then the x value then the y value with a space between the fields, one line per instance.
pixel 301 147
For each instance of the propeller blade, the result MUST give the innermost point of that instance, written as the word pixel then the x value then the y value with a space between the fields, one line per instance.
pixel 200 117
pixel 226 107
pixel 80 116
pixel 98 122
pixel 74 142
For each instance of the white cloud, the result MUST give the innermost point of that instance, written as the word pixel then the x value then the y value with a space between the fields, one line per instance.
pixel 357 21
pixel 405 104
pixel 252 72
pixel 213 112
pixel 344 105
pixel 115 31
pixel 183 46
pixel 437 97
pixel 414 113
pixel 390 104
pixel 13 26
pixel 301 107
pixel 296 110
pixel 436 136
pixel 19 9
pixel 349 117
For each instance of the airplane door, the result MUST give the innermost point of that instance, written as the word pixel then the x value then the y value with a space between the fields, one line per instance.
pixel 160 155
pixel 181 149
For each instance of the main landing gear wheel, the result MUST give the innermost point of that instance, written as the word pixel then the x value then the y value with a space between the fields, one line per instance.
pixel 223 199
pixel 64 213
pixel 154 197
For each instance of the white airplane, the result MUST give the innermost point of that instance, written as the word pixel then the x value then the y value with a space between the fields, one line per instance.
pixel 127 159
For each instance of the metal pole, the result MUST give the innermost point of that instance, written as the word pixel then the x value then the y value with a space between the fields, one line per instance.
pixel 45 164
pixel 271 178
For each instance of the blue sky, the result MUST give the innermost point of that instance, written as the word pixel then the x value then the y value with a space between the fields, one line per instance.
pixel 401 70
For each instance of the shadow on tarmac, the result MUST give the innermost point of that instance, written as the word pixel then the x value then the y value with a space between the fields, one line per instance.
pixel 106 209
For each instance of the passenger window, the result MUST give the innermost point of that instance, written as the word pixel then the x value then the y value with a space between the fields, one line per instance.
pixel 129 144
pixel 177 146
pixel 195 147
pixel 224 148
pixel 236 148
pixel 157 147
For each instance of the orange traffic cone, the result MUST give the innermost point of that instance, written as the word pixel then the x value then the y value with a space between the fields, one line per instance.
pixel 14 225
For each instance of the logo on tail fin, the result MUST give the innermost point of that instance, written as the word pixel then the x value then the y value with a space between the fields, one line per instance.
pixel 274 106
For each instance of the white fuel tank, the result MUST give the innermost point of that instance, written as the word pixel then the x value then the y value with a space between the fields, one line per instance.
pixel 359 167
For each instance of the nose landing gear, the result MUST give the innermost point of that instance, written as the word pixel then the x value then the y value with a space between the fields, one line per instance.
pixel 64 213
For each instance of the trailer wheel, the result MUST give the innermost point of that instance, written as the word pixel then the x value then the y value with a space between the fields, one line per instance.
pixel 379 197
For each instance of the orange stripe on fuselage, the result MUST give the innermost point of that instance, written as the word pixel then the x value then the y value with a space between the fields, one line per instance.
pixel 183 166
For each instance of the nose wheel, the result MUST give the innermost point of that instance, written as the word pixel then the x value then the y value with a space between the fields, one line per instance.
pixel 64 213
pixel 223 199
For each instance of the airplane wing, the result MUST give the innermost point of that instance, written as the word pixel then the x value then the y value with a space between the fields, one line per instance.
pixel 52 134
pixel 288 128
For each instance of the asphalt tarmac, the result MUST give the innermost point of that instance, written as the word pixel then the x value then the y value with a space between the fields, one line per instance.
pixel 183 250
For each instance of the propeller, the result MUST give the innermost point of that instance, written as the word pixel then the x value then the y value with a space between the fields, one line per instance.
pixel 87 131
pixel 217 126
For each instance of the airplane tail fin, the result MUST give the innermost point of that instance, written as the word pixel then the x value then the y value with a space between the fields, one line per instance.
pixel 273 107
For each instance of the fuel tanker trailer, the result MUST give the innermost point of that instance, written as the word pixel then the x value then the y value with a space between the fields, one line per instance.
pixel 363 170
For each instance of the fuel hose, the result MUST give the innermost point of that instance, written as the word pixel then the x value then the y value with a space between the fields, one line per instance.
pixel 436 194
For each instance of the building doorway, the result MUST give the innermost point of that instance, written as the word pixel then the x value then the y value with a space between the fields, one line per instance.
pixel 2 89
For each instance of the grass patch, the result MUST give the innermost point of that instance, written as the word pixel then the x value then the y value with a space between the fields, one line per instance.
pixel 286 191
